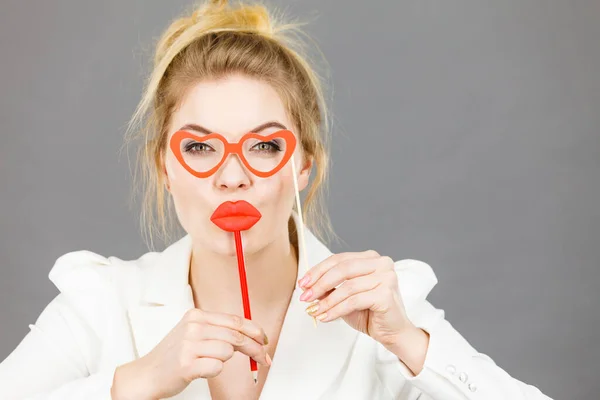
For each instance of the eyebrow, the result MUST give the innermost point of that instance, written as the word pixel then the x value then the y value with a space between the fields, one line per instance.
pixel 201 129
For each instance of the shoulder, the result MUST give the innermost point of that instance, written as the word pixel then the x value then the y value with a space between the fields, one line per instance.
pixel 416 279
pixel 83 272
pixel 94 294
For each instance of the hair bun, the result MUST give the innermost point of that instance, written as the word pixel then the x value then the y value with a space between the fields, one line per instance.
pixel 222 15
pixel 214 16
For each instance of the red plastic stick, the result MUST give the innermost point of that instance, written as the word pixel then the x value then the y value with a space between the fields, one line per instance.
pixel 244 286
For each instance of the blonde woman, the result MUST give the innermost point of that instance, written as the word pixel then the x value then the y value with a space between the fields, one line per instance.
pixel 169 324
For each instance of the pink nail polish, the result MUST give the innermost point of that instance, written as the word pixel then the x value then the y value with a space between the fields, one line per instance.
pixel 304 281
pixel 306 295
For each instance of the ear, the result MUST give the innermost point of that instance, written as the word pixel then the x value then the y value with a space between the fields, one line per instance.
pixel 304 175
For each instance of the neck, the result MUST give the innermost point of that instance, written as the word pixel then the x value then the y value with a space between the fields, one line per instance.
pixel 271 275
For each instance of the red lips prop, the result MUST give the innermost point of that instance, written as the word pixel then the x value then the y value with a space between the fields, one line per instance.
pixel 238 216
pixel 235 216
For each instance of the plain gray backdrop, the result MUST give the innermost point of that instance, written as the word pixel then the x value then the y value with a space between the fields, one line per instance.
pixel 466 135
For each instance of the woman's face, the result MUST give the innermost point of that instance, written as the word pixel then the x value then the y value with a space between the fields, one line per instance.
pixel 232 107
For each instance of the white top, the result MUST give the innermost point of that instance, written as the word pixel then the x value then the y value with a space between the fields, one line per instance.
pixel 110 311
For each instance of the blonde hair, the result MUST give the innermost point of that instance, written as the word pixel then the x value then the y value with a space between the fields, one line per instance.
pixel 215 40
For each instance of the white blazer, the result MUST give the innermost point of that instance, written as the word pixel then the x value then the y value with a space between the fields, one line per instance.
pixel 110 311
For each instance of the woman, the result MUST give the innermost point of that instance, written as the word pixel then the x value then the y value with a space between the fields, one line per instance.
pixel 168 324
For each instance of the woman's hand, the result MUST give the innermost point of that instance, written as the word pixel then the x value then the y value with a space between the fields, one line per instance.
pixel 362 288
pixel 197 347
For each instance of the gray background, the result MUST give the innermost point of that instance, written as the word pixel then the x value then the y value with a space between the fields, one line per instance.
pixel 466 136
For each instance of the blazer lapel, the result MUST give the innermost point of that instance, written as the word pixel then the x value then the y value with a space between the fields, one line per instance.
pixel 166 296
pixel 317 354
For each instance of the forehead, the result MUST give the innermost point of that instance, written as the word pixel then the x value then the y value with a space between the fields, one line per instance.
pixel 230 106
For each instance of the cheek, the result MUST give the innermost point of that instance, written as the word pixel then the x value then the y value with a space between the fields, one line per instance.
pixel 178 176
pixel 282 187
pixel 282 197
pixel 176 172
pixel 187 190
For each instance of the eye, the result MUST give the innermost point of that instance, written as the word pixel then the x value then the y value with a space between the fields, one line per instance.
pixel 195 147
pixel 267 147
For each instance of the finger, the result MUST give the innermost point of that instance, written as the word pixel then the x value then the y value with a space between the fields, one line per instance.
pixel 231 321
pixel 338 274
pixel 361 301
pixel 234 338
pixel 347 289
pixel 202 331
pixel 252 349
pixel 316 301
pixel 216 349
pixel 204 367
pixel 313 274
pixel 327 293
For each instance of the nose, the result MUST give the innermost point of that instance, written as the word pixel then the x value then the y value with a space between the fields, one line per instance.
pixel 232 174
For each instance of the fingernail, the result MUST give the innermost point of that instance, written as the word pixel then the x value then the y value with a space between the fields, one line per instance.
pixel 306 295
pixel 304 280
pixel 269 361
pixel 322 316
pixel 312 308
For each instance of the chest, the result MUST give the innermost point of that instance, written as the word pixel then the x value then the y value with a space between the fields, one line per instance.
pixel 236 382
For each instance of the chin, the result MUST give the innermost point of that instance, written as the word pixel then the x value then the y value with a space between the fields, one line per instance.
pixel 223 243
